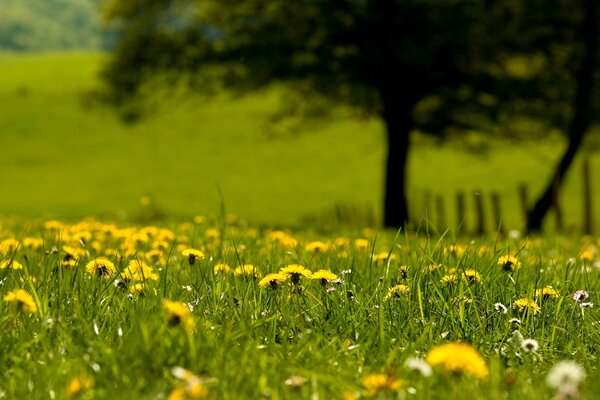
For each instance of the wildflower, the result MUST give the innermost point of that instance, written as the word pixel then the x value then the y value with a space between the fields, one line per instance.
pixel 361 244
pixel 509 263
pixel 514 321
pixel 138 288
pixel 471 276
pixel 191 387
pixel 547 292
pixel 9 246
pixel 33 243
pixel 272 280
pixel 527 305
pixel 586 305
pixel 397 291
pixel 458 250
pixel 419 365
pixel 458 358
pixel 221 268
pixel 138 271
pixel 431 268
pixel 316 247
pixel 101 267
pixel 12 264
pixel 501 308
pixel 383 257
pixel 565 378
pixel 212 234
pixel 403 271
pixel 23 300
pixel 580 295
pixel 376 383
pixel 192 255
pixel 179 314
pixel 449 279
pixel 78 385
pixel 530 345
pixel 295 271
pixel 295 381
pixel 247 270
pixel 588 254
pixel 325 276
pixel 155 256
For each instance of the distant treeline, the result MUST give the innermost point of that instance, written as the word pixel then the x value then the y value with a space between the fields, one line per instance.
pixel 29 25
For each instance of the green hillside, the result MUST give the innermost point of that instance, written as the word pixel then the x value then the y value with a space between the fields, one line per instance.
pixel 61 159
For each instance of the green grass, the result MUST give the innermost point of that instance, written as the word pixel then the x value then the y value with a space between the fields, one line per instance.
pixel 61 159
pixel 245 341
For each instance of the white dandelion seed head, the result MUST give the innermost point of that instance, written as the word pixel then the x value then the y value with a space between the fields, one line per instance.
pixel 565 374
pixel 586 305
pixel 530 345
pixel 419 365
pixel 501 308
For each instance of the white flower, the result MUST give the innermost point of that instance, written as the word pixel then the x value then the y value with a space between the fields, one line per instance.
pixel 530 345
pixel 586 305
pixel 419 365
pixel 565 374
pixel 501 308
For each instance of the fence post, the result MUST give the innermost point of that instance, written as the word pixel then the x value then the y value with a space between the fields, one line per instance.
pixel 588 215
pixel 479 212
pixel 497 211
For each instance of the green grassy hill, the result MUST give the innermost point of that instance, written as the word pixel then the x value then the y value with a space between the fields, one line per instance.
pixel 61 159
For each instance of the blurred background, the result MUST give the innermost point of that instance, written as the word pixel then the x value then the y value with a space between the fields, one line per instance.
pixel 474 115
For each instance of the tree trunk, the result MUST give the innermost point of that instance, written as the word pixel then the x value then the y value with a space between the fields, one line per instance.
pixel 398 122
pixel 582 109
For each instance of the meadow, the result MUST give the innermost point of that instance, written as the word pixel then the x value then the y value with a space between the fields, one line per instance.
pixel 62 158
pixel 217 309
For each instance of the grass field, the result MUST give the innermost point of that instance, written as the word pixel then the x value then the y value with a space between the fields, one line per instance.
pixel 204 310
pixel 60 159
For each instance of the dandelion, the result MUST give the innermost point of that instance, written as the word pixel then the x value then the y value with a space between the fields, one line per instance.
pixel 192 255
pixel 384 257
pixel 580 295
pixel 316 247
pixel 501 308
pixel 449 279
pixel 272 280
pixel 586 305
pixel 509 263
pixel 419 365
pixel 458 358
pixel 221 268
pixel 361 244
pixel 431 268
pixel 398 291
pixel 527 305
pixel 295 271
pixel 101 267
pixel 22 299
pixel 471 276
pixel 377 383
pixel 138 288
pixel 565 378
pixel 12 264
pixel 246 271
pixel 325 276
pixel 138 271
pixel 530 345
pixel 32 243
pixel 9 246
pixel 403 271
pixel 179 314
pixel 547 292
pixel 191 387
pixel 78 385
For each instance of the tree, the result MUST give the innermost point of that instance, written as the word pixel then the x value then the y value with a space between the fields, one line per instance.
pixel 383 57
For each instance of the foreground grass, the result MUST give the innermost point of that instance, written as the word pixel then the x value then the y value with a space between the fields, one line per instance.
pixel 86 162
pixel 185 311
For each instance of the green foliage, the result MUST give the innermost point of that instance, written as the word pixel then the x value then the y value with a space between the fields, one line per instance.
pixel 31 25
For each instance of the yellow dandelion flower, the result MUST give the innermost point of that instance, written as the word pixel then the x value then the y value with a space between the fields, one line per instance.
pixel 9 245
pixel 449 279
pixel 78 385
pixel 12 264
pixel 316 247
pixel 458 358
pixel 246 271
pixel 138 288
pixel 156 257
pixel 179 314
pixel 398 291
pixel 161 245
pixel 471 276
pixel 191 387
pixel 431 268
pixel 509 263
pixel 361 243
pixel 528 305
pixel 101 267
pixel 377 383
pixel 340 242
pixel 33 243
pixel 212 234
pixel 221 268
pixel 138 271
pixel 588 254
pixel 22 299
pixel 72 255
pixel 384 257
pixel 547 292
pixel 403 271
pixel 455 249
pixel 192 255
pixel 325 276
pixel 272 280
pixel 295 271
